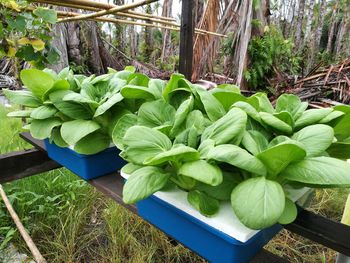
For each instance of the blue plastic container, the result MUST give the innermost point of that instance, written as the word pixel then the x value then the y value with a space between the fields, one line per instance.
pixel 208 242
pixel 86 166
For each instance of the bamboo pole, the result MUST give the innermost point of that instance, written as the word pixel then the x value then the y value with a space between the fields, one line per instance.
pixel 139 17
pixel 171 26
pixel 109 11
pixel 35 251
pixel 96 6
pixel 121 21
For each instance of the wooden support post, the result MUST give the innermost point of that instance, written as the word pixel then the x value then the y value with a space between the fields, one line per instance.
pixel 186 39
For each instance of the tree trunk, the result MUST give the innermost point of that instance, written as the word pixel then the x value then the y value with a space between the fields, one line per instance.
pixel 309 19
pixel 166 47
pixel 344 24
pixel 299 24
pixel 73 42
pixel 59 41
pixel 148 48
pixel 315 47
pixel 241 52
pixel 133 41
pixel 332 27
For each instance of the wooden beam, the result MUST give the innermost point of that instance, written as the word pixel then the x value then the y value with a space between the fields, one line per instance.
pixel 17 165
pixel 186 39
pixel 109 11
pixel 322 230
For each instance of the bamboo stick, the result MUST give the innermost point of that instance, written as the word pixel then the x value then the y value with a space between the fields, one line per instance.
pixel 128 22
pixel 109 11
pixel 139 17
pixel 173 27
pixel 96 6
pixel 35 251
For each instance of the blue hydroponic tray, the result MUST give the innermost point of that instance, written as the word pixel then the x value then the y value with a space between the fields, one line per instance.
pixel 86 166
pixel 208 242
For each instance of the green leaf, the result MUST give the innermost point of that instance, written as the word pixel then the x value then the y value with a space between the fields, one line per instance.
pixel 264 103
pixel 311 117
pixel 196 119
pixel 227 98
pixel 78 98
pixel 155 113
pixel 73 110
pixel 60 84
pixel 181 114
pixel 332 116
pixel 205 147
pixel 123 124
pixel 212 106
pixel 342 128
pixel 73 131
pixel 19 114
pixel 290 103
pixel 188 137
pixel 258 203
pixel 47 15
pixel 315 138
pixel 289 214
pixel 137 92
pixel 22 97
pixel 108 104
pixel 249 109
pixel 92 143
pixel 340 150
pixel 275 123
pixel 129 168
pixel 254 142
pixel 319 172
pixel 237 157
pixel 172 85
pixel 57 138
pixel 41 129
pixel 278 157
pixel 142 143
pixel 222 191
pixel 138 79
pixel 205 204
pixel 178 153
pixel 202 171
pixel 43 112
pixel 144 182
pixel 229 87
pixel 156 86
pixel 286 117
pixel 230 127
pixel 37 81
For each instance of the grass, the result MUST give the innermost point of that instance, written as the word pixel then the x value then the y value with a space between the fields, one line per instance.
pixel 71 222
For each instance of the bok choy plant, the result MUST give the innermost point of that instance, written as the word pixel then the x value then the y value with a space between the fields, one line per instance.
pixel 220 146
pixel 72 110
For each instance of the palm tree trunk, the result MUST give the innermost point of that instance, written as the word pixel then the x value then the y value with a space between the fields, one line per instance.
pixel 309 19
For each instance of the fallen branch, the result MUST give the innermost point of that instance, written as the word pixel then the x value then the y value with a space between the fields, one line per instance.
pixel 35 252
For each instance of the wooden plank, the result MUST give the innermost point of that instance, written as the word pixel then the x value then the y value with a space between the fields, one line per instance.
pixel 265 256
pixel 17 165
pixel 327 232
pixel 112 186
pixel 186 39
pixel 39 144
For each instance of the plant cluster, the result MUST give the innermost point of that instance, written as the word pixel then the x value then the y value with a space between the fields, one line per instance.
pixel 72 110
pixel 217 145
pixel 25 34
pixel 221 146
pixel 270 53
